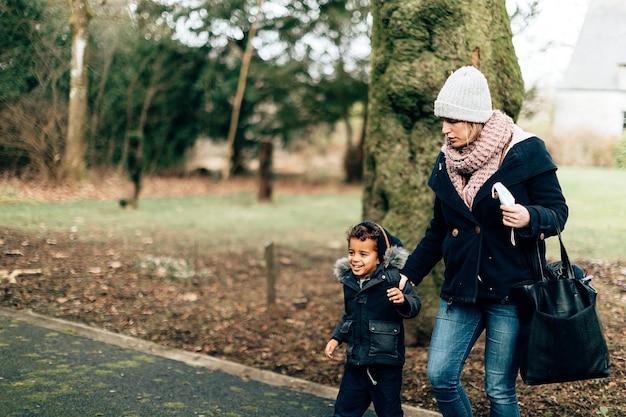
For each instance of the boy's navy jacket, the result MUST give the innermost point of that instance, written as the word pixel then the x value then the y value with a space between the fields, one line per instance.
pixel 371 324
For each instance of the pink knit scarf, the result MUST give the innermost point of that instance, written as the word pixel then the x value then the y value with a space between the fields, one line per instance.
pixel 480 159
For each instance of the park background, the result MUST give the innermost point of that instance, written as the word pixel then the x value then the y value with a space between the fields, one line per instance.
pixel 186 266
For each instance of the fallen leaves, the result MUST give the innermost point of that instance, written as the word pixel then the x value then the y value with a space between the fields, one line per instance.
pixel 220 310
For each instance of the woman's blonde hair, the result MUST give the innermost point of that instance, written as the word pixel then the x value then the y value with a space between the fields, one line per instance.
pixel 473 130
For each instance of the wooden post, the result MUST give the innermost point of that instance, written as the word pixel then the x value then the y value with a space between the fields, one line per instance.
pixel 270 265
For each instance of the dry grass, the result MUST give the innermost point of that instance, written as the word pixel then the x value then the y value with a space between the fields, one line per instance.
pixel 582 149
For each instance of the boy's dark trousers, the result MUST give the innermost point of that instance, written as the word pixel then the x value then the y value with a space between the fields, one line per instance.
pixel 363 385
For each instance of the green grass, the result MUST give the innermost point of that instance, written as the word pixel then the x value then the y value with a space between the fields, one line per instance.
pixel 227 222
pixel 596 229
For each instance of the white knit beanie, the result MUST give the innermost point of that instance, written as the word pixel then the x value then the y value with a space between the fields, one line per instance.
pixel 465 96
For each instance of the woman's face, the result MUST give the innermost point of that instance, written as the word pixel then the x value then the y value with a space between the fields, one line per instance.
pixel 456 132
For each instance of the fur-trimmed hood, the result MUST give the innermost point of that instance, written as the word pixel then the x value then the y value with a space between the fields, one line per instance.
pixel 395 256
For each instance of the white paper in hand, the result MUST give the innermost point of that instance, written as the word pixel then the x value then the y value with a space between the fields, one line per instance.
pixel 506 199
pixel 505 196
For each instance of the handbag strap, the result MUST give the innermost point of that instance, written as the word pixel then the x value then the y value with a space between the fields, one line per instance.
pixel 564 257
pixel 539 262
pixel 567 266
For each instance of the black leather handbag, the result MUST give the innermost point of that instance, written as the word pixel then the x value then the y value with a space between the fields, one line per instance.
pixel 561 337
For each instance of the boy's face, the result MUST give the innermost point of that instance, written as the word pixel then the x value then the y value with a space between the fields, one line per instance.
pixel 362 256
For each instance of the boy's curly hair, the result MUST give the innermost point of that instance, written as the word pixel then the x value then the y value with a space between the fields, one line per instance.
pixel 363 231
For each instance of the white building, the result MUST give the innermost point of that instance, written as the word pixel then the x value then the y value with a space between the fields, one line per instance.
pixel 592 95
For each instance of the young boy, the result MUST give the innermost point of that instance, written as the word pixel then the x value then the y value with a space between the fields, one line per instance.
pixel 374 308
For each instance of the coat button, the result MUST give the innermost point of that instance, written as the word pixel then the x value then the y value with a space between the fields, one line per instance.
pixel 455 232
pixel 477 229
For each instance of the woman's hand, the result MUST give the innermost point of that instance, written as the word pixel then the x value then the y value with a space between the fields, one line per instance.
pixel 330 348
pixel 403 281
pixel 516 216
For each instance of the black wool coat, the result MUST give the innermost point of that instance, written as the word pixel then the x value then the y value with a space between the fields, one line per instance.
pixel 481 262
pixel 371 325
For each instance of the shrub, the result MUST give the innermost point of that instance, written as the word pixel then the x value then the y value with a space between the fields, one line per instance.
pixel 620 152
pixel 165 267
pixel 581 148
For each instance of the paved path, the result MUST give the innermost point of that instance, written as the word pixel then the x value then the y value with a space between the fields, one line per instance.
pixel 55 368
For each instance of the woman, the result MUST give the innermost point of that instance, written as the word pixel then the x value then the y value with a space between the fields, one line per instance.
pixel 487 248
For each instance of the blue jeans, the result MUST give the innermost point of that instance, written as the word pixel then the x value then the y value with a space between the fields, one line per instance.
pixel 456 330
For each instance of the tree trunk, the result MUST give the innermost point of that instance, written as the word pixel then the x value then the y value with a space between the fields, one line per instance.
pixel 416 44
pixel 130 104
pixel 353 159
pixel 265 170
pixel 75 145
pixel 241 88
pixel 97 109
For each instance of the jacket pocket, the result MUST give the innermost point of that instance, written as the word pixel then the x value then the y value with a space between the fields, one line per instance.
pixel 345 333
pixel 384 337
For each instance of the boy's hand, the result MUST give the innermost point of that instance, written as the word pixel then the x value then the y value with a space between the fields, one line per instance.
pixel 330 348
pixel 395 295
